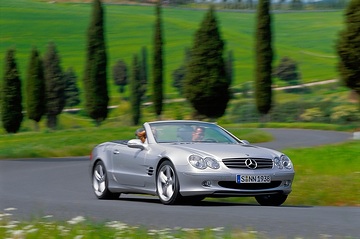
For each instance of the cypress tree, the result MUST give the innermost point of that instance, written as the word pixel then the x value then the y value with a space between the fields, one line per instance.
pixel 120 75
pixel 206 85
pixel 348 47
pixel 158 63
pixel 35 88
pixel 11 108
pixel 264 57
pixel 178 76
pixel 179 73
pixel 54 86
pixel 143 72
pixel 95 75
pixel 72 92
pixel 136 92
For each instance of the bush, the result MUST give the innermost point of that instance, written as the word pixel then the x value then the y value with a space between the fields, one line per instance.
pixel 312 115
pixel 317 110
pixel 345 113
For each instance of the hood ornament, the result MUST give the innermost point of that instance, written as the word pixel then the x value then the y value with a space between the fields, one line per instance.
pixel 251 163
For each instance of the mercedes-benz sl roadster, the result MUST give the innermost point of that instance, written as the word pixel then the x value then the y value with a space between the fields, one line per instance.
pixel 185 161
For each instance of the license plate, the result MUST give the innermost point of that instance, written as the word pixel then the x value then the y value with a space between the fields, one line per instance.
pixel 253 179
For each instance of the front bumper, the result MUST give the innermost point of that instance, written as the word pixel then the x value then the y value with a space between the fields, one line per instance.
pixel 224 184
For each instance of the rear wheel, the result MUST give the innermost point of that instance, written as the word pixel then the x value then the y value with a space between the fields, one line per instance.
pixel 167 184
pixel 271 199
pixel 100 182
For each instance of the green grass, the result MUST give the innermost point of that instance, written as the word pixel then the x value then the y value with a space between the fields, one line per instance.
pixel 80 228
pixel 326 175
pixel 306 37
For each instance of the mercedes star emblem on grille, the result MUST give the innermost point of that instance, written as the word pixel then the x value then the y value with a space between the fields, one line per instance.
pixel 251 163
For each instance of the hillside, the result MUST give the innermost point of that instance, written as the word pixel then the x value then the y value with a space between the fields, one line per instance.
pixel 306 37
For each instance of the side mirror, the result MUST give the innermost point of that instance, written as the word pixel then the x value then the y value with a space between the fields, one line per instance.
pixel 245 142
pixel 136 144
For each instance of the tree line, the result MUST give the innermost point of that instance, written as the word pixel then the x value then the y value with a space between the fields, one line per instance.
pixel 204 78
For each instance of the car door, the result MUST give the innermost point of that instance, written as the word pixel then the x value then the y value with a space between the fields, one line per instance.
pixel 128 165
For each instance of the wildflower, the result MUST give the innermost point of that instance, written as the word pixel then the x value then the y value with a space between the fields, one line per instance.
pixel 187 229
pixel 28 227
pixel 32 230
pixel 18 233
pixel 9 226
pixel 325 236
pixel 76 220
pixel 117 225
pixel 2 215
pixel 217 229
pixel 10 209
pixel 14 222
pixel 63 231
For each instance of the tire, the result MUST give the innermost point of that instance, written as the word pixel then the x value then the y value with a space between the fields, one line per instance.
pixel 271 200
pixel 100 182
pixel 167 184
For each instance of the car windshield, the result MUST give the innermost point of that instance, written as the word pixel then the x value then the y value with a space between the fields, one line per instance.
pixel 185 132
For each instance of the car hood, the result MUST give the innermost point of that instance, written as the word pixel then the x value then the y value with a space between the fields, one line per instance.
pixel 228 150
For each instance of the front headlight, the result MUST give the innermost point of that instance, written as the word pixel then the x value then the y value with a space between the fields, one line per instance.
pixel 212 163
pixel 278 163
pixel 202 163
pixel 197 162
pixel 286 162
pixel 283 162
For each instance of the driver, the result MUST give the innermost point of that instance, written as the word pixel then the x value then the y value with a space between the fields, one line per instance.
pixel 198 134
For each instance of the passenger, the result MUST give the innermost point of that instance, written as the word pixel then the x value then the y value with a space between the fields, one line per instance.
pixel 141 134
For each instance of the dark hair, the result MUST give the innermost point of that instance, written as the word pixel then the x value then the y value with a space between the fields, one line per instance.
pixel 139 131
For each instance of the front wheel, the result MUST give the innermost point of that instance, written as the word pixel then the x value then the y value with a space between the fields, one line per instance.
pixel 167 184
pixel 100 183
pixel 271 199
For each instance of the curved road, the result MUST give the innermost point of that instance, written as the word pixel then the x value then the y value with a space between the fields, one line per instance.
pixel 60 187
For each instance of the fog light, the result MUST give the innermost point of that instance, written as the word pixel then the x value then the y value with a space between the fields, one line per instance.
pixel 287 183
pixel 206 183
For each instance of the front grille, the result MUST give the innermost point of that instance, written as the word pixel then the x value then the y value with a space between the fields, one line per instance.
pixel 249 186
pixel 239 163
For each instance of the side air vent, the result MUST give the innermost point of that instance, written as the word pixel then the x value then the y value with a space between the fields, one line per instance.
pixel 150 171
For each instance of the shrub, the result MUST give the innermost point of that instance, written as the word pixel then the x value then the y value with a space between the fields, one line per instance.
pixel 345 113
pixel 312 115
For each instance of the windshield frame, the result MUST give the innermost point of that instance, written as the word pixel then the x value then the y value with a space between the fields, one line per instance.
pixel 174 131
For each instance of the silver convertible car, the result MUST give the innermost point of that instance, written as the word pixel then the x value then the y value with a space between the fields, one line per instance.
pixel 185 161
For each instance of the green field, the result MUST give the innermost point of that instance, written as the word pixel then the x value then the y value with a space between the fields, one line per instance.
pixel 306 37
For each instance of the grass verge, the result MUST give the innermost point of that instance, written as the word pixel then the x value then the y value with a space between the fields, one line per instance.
pixel 80 228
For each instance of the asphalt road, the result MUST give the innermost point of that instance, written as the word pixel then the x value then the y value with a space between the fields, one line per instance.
pixel 297 138
pixel 61 188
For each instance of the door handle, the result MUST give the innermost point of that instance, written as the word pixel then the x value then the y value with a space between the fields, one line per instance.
pixel 116 151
